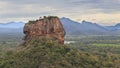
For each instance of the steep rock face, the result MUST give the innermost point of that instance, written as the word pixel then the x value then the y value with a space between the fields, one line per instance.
pixel 49 27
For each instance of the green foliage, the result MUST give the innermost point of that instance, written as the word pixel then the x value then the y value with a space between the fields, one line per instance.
pixel 44 53
pixel 40 19
pixel 111 45
pixel 31 22
pixel 96 44
pixel 8 42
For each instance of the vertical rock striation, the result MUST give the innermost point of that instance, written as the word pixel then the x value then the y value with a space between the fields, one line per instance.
pixel 49 27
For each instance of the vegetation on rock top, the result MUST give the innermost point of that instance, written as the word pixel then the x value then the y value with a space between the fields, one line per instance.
pixel 41 18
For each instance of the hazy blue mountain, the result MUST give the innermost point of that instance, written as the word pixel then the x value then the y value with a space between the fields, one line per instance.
pixel 11 28
pixel 115 27
pixel 71 28
pixel 88 28
pixel 12 25
pixel 83 28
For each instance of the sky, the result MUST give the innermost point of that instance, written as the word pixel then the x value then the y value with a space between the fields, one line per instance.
pixel 104 12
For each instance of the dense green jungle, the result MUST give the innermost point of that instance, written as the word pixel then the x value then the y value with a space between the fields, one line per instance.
pixel 78 52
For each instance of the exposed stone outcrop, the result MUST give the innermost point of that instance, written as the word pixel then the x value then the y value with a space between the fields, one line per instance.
pixel 49 27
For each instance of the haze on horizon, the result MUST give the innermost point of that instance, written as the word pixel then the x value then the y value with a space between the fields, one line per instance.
pixel 104 12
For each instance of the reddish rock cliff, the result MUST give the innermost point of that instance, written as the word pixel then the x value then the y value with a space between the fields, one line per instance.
pixel 49 27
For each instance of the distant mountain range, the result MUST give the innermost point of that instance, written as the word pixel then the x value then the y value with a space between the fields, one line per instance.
pixel 71 28
pixel 12 25
pixel 115 27
pixel 11 28
pixel 88 28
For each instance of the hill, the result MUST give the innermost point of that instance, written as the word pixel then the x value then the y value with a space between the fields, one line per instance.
pixel 39 54
pixel 84 28
pixel 88 28
pixel 11 28
pixel 12 25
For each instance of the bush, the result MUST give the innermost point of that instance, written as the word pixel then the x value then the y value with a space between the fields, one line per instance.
pixel 45 53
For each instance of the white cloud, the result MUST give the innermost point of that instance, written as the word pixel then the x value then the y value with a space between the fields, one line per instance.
pixel 103 11
pixel 102 18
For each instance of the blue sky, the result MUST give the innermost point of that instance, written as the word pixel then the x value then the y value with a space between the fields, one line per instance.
pixel 105 12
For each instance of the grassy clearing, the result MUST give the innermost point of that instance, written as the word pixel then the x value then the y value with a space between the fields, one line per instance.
pixel 111 45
